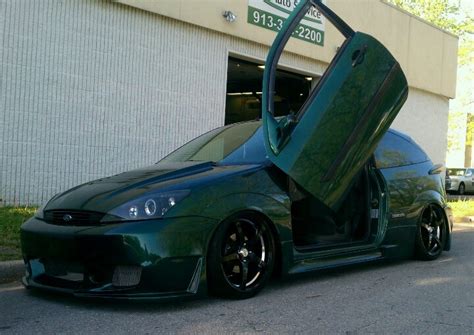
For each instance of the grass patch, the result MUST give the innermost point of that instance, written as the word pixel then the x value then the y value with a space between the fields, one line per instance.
pixel 462 208
pixel 11 219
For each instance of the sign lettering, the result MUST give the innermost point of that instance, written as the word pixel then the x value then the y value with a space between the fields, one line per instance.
pixel 271 14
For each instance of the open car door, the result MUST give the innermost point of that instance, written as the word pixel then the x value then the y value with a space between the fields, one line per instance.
pixel 324 146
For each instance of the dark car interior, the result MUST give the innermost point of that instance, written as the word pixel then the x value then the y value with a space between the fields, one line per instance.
pixel 316 226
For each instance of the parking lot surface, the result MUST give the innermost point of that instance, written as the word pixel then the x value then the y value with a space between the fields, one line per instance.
pixel 409 297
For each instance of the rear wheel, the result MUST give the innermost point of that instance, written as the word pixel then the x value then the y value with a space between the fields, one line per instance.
pixel 462 189
pixel 241 257
pixel 431 236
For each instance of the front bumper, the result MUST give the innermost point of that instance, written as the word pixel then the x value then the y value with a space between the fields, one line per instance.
pixel 148 259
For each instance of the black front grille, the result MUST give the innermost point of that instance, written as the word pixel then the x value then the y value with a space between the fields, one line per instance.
pixel 73 218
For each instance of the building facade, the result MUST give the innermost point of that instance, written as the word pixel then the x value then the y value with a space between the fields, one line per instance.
pixel 91 88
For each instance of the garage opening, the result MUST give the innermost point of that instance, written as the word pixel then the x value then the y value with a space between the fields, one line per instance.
pixel 244 86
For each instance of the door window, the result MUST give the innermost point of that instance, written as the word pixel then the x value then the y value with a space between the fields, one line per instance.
pixel 325 145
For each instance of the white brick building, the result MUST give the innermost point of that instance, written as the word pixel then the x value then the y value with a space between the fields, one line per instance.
pixel 91 88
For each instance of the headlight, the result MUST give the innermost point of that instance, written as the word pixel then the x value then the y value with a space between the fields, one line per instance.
pixel 151 206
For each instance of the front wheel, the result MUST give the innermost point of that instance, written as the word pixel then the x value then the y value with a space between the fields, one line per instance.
pixel 462 189
pixel 241 257
pixel 431 235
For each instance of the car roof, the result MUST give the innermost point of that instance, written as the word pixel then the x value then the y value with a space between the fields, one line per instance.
pixel 402 135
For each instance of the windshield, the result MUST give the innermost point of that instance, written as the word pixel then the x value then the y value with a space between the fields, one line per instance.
pixel 456 172
pixel 240 143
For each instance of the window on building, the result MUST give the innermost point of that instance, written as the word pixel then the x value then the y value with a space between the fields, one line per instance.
pixel 244 86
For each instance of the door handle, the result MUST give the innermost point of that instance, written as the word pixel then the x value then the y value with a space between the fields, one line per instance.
pixel 358 56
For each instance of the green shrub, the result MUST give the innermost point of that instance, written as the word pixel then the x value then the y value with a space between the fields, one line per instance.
pixel 11 219
pixel 462 208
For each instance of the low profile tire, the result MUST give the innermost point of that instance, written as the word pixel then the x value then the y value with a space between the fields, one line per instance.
pixel 431 235
pixel 241 257
pixel 461 189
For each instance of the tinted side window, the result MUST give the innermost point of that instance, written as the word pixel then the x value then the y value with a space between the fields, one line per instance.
pixel 456 172
pixel 395 150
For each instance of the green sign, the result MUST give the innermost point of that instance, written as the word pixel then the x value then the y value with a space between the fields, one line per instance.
pixel 271 14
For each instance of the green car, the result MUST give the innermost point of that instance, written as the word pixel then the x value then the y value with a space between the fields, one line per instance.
pixel 328 186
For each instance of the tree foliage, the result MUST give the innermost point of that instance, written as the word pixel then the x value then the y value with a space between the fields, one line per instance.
pixel 451 16
pixel 456 131
pixel 447 15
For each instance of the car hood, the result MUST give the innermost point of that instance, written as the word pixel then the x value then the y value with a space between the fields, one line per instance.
pixel 103 195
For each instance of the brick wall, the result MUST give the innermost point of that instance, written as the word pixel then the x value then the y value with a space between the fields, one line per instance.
pixel 91 88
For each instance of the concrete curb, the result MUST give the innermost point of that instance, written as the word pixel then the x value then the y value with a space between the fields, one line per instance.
pixel 11 271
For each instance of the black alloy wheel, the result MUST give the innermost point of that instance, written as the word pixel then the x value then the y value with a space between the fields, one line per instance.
pixel 432 232
pixel 241 257
pixel 462 189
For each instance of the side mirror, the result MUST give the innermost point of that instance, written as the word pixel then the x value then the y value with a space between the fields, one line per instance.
pixel 436 169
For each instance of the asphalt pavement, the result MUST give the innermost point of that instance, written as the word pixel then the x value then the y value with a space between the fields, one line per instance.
pixel 409 297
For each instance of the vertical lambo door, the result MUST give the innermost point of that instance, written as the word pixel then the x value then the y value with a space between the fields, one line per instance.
pixel 329 140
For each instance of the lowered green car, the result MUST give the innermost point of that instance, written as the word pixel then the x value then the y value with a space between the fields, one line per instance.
pixel 328 186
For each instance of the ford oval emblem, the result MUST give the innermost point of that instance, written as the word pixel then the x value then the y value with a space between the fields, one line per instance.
pixel 67 218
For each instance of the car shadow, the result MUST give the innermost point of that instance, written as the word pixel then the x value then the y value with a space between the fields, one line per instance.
pixel 120 304
pixel 276 284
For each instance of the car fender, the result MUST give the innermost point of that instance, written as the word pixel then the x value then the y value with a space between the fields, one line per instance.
pixel 272 207
pixel 424 199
